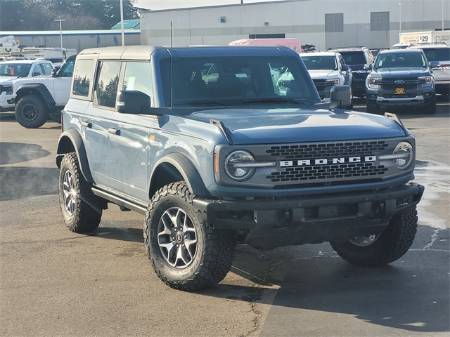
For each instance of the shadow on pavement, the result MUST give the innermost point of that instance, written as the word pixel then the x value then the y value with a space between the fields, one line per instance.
pixel 12 153
pixel 412 294
pixel 22 182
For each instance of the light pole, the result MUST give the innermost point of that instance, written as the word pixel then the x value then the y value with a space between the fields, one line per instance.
pixel 401 15
pixel 122 32
pixel 60 31
pixel 442 15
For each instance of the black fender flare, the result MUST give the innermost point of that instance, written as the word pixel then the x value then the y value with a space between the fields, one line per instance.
pixel 71 140
pixel 39 89
pixel 187 170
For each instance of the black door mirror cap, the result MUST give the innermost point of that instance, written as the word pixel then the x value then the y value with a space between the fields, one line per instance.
pixel 135 102
pixel 340 96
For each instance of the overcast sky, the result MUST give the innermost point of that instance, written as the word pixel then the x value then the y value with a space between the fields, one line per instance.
pixel 164 4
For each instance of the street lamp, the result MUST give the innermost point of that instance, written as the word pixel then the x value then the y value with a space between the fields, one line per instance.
pixel 60 31
pixel 122 33
pixel 401 15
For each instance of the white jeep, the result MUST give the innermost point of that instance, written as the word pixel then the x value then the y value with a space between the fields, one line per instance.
pixel 15 69
pixel 39 98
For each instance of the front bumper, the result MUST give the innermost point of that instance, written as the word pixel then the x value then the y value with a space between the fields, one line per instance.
pixel 310 219
pixel 6 102
pixel 413 98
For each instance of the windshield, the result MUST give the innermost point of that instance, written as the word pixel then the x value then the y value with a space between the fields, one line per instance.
pixel 15 69
pixel 353 57
pixel 401 60
pixel 225 81
pixel 437 54
pixel 320 62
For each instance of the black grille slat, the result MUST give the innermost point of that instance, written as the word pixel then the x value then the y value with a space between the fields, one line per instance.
pixel 329 150
pixel 329 173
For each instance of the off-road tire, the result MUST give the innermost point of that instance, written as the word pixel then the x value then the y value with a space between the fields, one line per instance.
pixel 373 108
pixel 86 216
pixel 393 242
pixel 214 254
pixel 23 115
pixel 430 108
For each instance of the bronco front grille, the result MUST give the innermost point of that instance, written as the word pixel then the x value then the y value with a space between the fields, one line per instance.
pixel 316 173
pixel 327 150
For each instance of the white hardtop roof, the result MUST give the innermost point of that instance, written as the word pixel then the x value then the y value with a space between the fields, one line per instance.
pixel 127 52
pixel 425 46
pixel 25 61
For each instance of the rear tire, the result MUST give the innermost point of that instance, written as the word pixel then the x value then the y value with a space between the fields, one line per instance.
pixel 373 108
pixel 78 203
pixel 430 108
pixel 177 261
pixel 390 245
pixel 31 112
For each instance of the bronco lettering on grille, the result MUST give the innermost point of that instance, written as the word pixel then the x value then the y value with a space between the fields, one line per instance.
pixel 327 161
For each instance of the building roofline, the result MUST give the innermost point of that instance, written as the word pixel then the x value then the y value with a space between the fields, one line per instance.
pixel 67 32
pixel 148 10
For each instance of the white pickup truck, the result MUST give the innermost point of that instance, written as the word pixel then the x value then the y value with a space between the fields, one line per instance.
pixel 38 98
pixel 19 69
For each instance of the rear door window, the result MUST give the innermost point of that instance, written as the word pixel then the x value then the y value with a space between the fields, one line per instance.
pixel 83 77
pixel 107 83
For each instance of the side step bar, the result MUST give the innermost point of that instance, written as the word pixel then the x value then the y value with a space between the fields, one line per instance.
pixel 118 200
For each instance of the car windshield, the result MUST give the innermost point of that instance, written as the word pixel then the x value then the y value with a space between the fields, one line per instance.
pixel 401 60
pixel 232 81
pixel 437 54
pixel 354 57
pixel 320 62
pixel 15 69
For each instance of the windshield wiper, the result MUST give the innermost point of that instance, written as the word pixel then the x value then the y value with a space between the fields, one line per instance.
pixel 194 103
pixel 276 100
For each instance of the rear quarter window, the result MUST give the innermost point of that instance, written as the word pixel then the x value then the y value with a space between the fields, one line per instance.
pixel 83 77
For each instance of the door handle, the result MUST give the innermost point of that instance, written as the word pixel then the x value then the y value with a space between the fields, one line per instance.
pixel 86 124
pixel 114 131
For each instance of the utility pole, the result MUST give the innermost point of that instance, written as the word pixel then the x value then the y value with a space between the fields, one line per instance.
pixel 60 31
pixel 122 32
pixel 442 15
pixel 401 15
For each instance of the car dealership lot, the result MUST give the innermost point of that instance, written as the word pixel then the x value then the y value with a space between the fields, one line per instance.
pixel 54 282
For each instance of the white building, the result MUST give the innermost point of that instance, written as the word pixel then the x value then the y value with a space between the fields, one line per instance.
pixel 324 23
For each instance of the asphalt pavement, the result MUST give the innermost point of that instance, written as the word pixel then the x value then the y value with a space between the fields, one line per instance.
pixel 57 283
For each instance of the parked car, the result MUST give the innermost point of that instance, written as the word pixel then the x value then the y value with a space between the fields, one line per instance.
pixel 212 160
pixel 327 69
pixel 439 57
pixel 401 78
pixel 11 70
pixel 360 60
pixel 40 98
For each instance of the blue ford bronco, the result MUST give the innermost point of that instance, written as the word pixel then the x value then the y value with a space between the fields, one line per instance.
pixel 207 146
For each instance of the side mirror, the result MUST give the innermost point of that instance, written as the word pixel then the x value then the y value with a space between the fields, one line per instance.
pixel 340 96
pixel 368 67
pixel 133 102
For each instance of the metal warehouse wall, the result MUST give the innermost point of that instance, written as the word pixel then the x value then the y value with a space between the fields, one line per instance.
pixel 303 19
pixel 75 41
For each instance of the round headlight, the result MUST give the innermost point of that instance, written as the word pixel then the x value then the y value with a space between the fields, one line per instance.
pixel 404 154
pixel 236 165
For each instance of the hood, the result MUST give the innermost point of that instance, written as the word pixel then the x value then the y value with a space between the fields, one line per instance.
pixel 6 79
pixel 403 73
pixel 323 74
pixel 272 126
